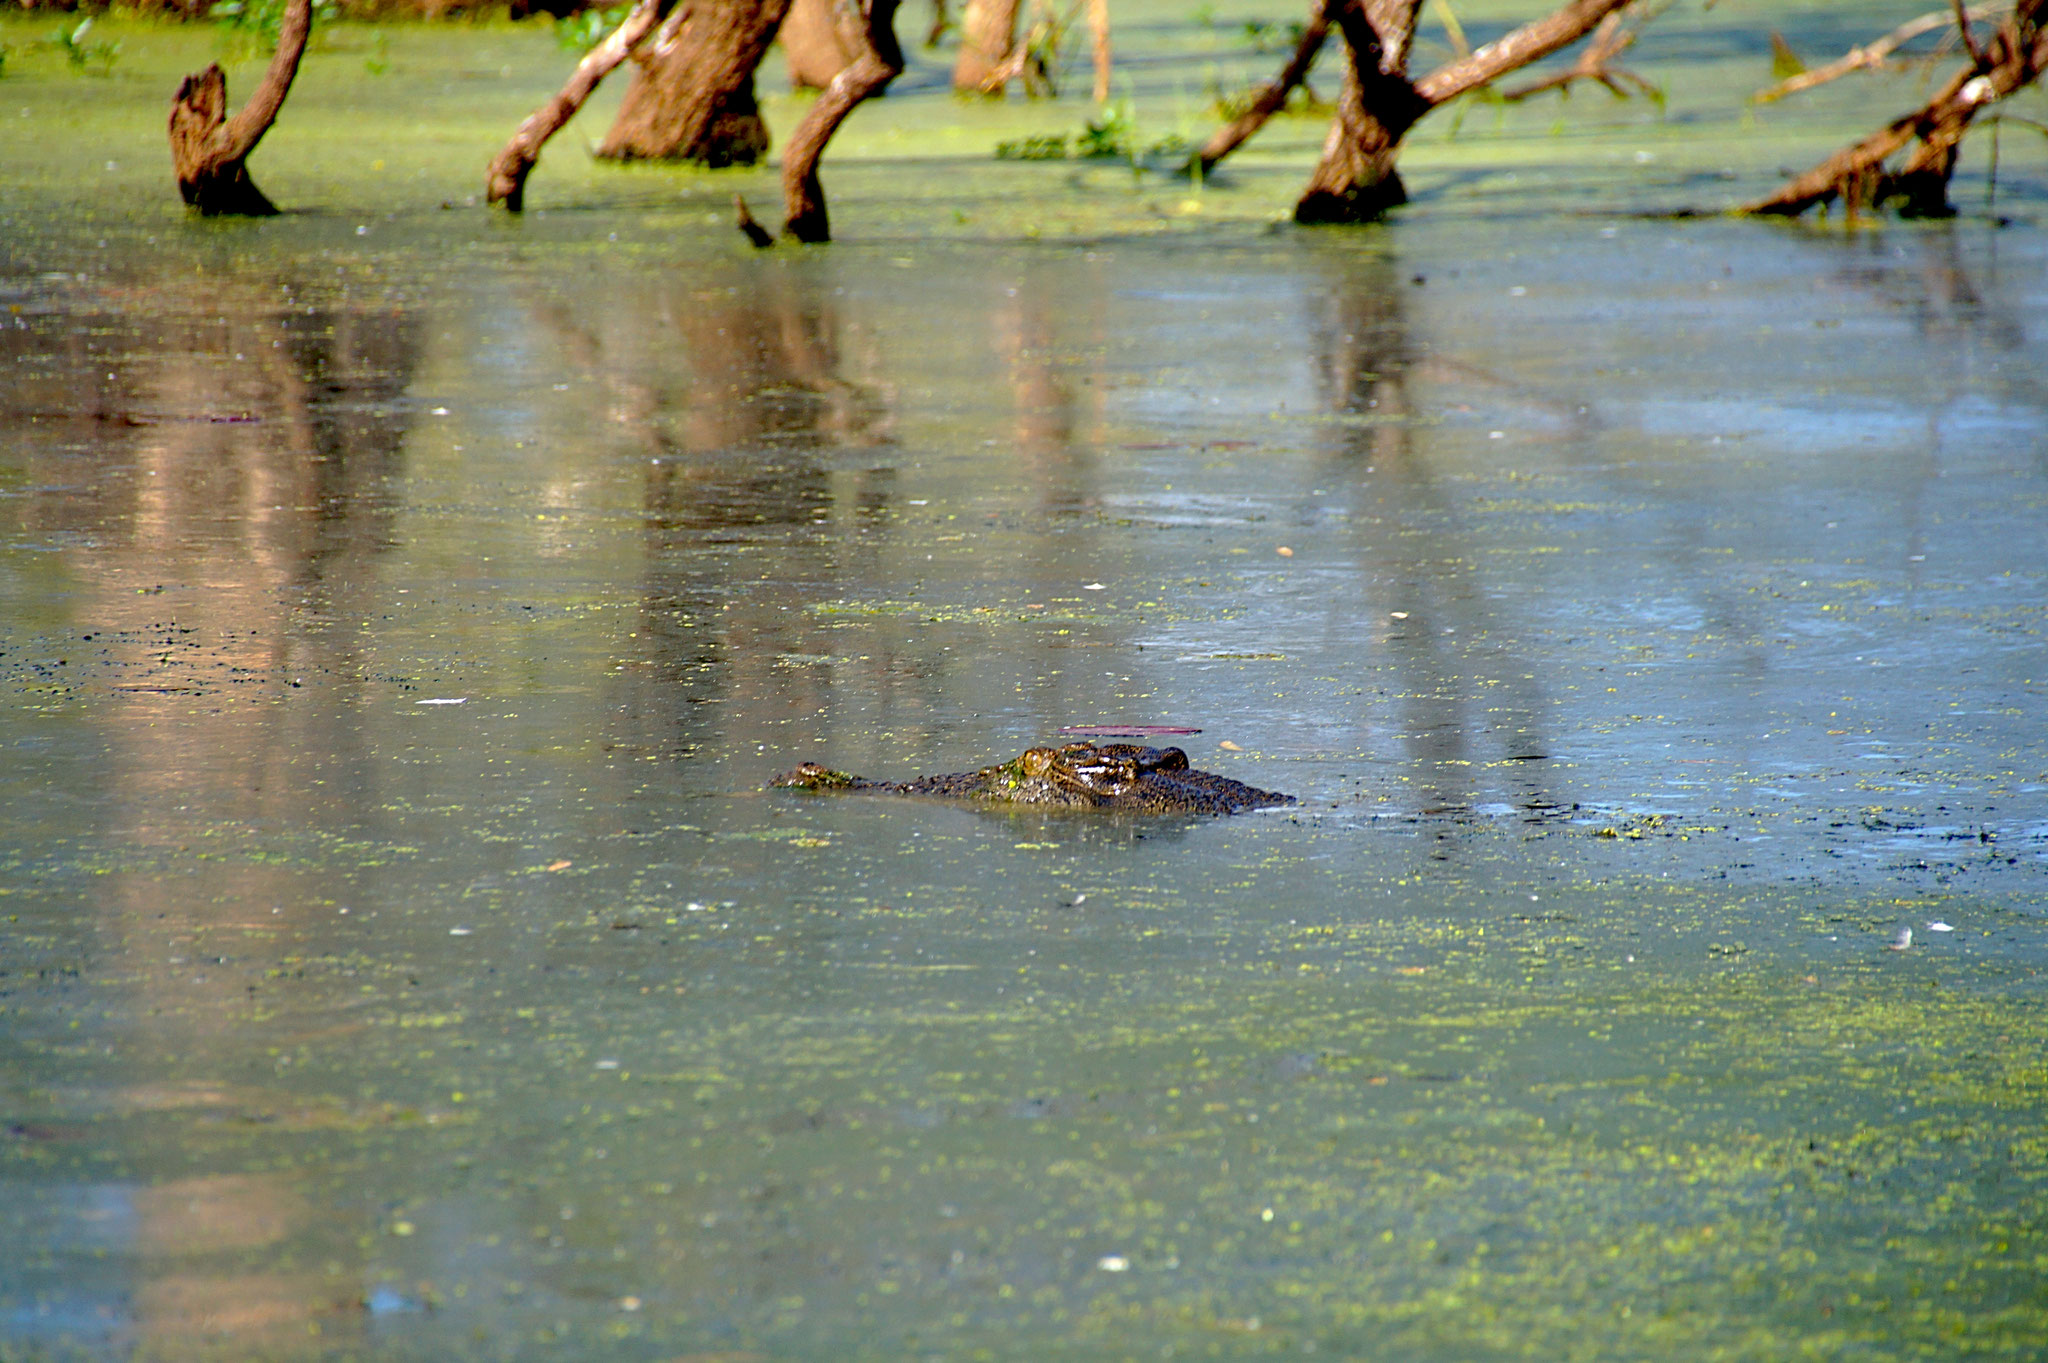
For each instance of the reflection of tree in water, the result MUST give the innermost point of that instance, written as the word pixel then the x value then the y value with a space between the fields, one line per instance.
pixel 1972 330
pixel 217 463
pixel 1035 335
pixel 733 389
pixel 1463 704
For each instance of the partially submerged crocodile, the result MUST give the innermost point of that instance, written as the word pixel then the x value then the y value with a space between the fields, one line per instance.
pixel 1075 776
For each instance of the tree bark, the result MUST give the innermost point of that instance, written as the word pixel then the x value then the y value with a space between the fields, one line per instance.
pixel 1272 96
pixel 693 97
pixel 988 31
pixel 507 180
pixel 1357 179
pixel 1595 63
pixel 819 40
pixel 209 150
pixel 1532 42
pixel 2013 59
pixel 879 62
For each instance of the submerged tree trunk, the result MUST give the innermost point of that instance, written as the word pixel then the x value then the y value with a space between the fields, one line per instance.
pixel 693 97
pixel 2013 59
pixel 209 150
pixel 1357 179
pixel 988 31
pixel 819 40
pixel 507 180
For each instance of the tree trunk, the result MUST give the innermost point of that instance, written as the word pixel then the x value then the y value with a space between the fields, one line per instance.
pixel 879 62
pixel 693 97
pixel 1098 29
pixel 209 150
pixel 819 40
pixel 1356 181
pixel 988 31
pixel 507 181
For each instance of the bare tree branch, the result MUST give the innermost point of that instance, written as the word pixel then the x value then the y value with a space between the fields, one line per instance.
pixel 1963 31
pixel 1610 39
pixel 1531 42
pixel 879 62
pixel 2013 59
pixel 1872 54
pixel 247 127
pixel 507 179
pixel 1272 96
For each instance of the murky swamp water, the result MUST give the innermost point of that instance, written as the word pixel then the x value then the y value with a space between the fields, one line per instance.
pixel 403 958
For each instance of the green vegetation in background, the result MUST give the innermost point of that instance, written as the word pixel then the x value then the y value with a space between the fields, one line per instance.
pixel 86 56
pixel 580 32
pixel 250 27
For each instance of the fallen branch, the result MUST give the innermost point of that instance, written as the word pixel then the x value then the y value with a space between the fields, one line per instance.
pixel 209 150
pixel 507 179
pixel 1875 53
pixel 2012 59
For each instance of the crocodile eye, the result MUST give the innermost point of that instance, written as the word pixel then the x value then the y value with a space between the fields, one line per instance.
pixel 1038 761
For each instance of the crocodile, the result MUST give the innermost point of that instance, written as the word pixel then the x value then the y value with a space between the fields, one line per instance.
pixel 1122 776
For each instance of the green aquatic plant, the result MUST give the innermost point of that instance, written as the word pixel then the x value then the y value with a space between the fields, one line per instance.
pixel 1233 102
pixel 251 27
pixel 581 32
pixel 1050 147
pixel 1111 134
pixel 1267 36
pixel 83 55
pixel 1115 135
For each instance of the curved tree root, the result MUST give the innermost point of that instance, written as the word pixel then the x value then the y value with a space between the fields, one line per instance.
pixel 209 150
